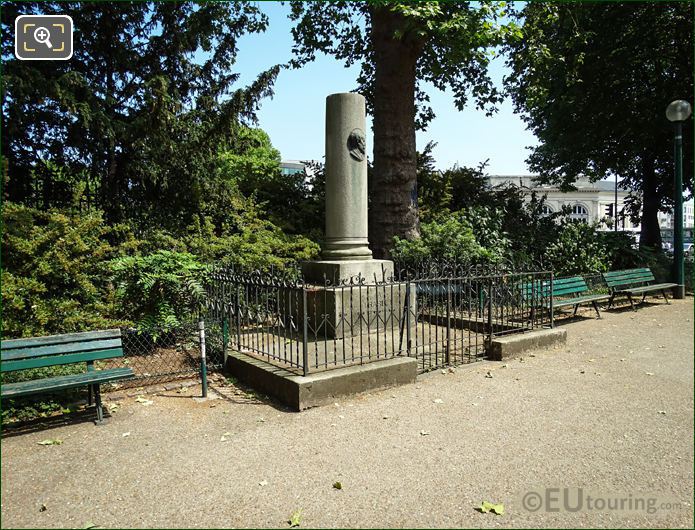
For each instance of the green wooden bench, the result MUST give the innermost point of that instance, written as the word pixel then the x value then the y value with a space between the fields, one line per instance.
pixel 57 350
pixel 631 282
pixel 566 292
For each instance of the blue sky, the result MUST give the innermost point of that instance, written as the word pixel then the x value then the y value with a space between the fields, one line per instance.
pixel 294 118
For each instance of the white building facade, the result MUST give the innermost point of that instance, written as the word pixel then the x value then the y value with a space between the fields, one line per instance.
pixel 591 202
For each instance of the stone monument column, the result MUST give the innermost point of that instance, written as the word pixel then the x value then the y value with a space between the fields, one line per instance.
pixel 346 179
pixel 345 252
pixel 347 292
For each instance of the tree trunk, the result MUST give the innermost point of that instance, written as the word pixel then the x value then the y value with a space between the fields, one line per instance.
pixel 650 236
pixel 393 190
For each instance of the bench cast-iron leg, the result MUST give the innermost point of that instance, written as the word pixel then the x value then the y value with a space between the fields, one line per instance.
pixel 632 304
pixel 663 292
pixel 576 306
pixel 89 395
pixel 610 301
pixel 100 413
pixel 598 315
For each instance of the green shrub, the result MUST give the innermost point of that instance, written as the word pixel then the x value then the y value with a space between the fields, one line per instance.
pixel 159 291
pixel 578 249
pixel 54 278
pixel 448 238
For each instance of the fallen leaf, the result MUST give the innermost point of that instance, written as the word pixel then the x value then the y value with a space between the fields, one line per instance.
pixel 43 508
pixel 591 360
pixel 50 441
pixel 263 483
pixel 486 507
pixel 488 375
pixel 649 373
pixel 145 402
pixel 295 519
pixel 225 437
pixel 338 485
pixel 90 525
pixel 662 412
pixel 582 371
pixel 125 434
pixel 424 433
pixel 113 407
pixel 438 401
pixel 261 420
pixel 385 417
pixel 621 360
pixel 444 371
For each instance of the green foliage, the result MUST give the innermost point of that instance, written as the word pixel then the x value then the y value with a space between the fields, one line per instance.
pixel 39 406
pixel 254 165
pixel 136 119
pixel 573 81
pixel 159 290
pixel 506 222
pixel 453 40
pixel 451 238
pixel 578 249
pixel 54 278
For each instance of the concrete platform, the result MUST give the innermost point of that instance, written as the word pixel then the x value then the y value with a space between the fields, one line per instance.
pixel 503 347
pixel 299 392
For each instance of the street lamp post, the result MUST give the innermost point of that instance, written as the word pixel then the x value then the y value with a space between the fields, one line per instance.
pixel 677 112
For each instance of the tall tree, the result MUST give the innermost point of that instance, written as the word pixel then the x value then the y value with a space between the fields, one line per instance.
pixel 140 107
pixel 592 81
pixel 401 46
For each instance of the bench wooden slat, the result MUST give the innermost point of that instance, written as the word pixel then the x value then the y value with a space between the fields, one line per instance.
pixel 561 286
pixel 38 386
pixel 56 349
pixel 59 339
pixel 623 272
pixel 627 277
pixel 581 300
pixel 570 290
pixel 647 288
pixel 55 360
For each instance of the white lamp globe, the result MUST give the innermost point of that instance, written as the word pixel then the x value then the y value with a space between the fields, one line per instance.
pixel 678 110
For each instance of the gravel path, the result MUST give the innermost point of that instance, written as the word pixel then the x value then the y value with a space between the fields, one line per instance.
pixel 612 412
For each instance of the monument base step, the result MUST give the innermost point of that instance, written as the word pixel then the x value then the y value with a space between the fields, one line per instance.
pixel 322 388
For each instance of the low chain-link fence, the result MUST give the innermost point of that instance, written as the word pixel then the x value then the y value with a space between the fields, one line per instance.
pixel 162 354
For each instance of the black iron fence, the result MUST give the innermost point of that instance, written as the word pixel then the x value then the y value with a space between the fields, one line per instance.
pixel 441 315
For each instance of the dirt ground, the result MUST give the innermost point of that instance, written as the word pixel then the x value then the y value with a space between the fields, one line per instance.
pixel 611 413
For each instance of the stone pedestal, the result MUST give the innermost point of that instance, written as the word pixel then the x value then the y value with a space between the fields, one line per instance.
pixel 334 272
pixel 360 311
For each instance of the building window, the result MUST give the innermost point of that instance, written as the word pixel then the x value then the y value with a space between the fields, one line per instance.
pixel 546 210
pixel 579 213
